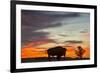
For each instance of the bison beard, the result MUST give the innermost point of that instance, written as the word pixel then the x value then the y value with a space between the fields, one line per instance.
pixel 56 51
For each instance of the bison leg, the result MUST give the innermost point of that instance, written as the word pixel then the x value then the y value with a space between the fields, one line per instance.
pixel 49 57
pixel 64 56
pixel 58 58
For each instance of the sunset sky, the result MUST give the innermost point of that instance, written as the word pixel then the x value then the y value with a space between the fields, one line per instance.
pixel 41 30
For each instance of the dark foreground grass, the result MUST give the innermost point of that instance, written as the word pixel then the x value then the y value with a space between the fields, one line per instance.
pixel 45 59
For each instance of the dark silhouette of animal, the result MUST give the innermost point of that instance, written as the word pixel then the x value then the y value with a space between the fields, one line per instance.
pixel 56 51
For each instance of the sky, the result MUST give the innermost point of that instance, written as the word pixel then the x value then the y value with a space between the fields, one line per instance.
pixel 45 29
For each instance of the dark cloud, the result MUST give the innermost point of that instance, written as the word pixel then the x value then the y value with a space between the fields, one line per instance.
pixel 37 43
pixel 84 31
pixel 44 18
pixel 51 13
pixel 34 36
pixel 63 35
pixel 74 41
pixel 38 21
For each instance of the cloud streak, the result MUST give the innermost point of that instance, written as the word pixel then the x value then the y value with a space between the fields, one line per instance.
pixel 74 41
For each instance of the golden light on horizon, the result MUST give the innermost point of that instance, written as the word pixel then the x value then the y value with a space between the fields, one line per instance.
pixel 42 52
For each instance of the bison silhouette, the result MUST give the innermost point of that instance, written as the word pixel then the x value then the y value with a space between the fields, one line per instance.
pixel 56 51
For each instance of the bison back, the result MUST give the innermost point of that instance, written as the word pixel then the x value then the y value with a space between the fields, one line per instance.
pixel 56 51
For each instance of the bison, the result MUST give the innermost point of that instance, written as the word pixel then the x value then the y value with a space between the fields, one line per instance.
pixel 56 51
